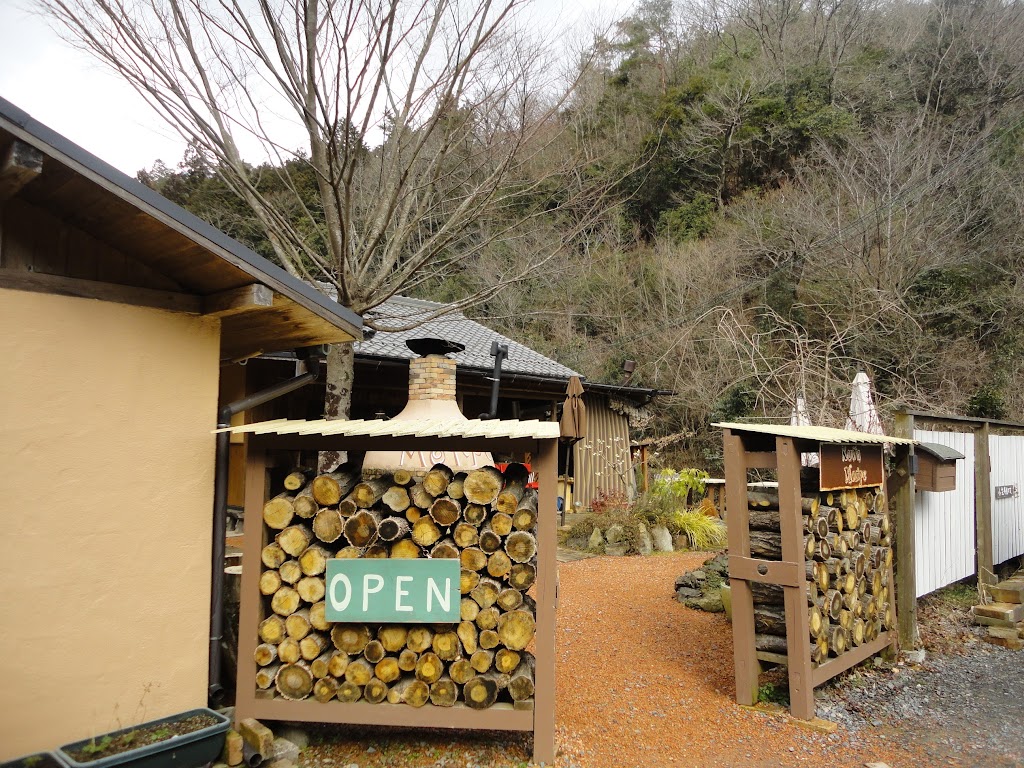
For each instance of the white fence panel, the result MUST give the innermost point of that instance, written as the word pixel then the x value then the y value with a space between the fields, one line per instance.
pixel 944 522
pixel 1007 481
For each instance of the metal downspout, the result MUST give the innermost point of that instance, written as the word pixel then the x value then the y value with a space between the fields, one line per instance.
pixel 220 505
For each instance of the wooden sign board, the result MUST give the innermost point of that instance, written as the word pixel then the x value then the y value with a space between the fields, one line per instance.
pixel 393 591
pixel 850 466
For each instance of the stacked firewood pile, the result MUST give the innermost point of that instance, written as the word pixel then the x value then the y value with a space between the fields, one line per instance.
pixel 848 556
pixel 485 518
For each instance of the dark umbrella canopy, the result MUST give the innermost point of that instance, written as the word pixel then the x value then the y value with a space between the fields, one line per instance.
pixel 574 412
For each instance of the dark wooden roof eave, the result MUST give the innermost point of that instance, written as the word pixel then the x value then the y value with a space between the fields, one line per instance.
pixel 202 261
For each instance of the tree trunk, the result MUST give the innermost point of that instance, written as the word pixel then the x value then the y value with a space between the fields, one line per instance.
pixel 325 689
pixel 429 667
pixel 443 692
pixel 465 535
pixel 522 576
pixel 474 514
pixel 446 645
pixel 525 517
pixel 387 670
pixel 350 638
pixel 290 572
pixel 482 486
pixel 359 671
pixel 461 671
pixel 481 692
pixel 445 511
pixel 486 592
pixel 521 685
pixel 393 637
pixel 312 645
pixel 279 511
pixel 311 589
pixel 370 491
pixel 297 625
pixel 375 691
pixel 265 676
pixel 499 564
pixel 285 601
pixel 294 539
pixel 516 629
pixel 393 528
pixel 349 692
pixel 374 651
pixel 294 681
pixel 506 660
pixel 313 561
pixel 265 654
pixel 467 633
pixel 510 496
pixel 455 486
pixel 473 559
pixel 409 691
pixel 489 638
pixel 436 481
pixel 270 582
pixel 272 555
pixel 338 397
pixel 272 630
pixel 396 498
pixel 328 525
pixel 405 548
pixel 329 488
pixel 361 528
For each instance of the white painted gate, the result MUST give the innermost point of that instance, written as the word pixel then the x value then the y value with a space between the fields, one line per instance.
pixel 944 522
pixel 1007 480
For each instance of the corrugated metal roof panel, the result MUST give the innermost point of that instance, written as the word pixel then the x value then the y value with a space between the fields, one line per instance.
pixel 503 428
pixel 817 434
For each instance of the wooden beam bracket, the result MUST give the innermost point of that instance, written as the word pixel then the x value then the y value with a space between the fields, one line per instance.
pixel 21 164
pixel 236 300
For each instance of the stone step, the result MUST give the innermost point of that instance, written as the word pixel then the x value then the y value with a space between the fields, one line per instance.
pixel 988 621
pixel 1009 591
pixel 1012 612
pixel 1006 637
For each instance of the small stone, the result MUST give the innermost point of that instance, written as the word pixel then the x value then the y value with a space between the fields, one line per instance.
pixel 618 549
pixel 644 545
pixel 698 575
pixel 614 533
pixel 296 735
pixel 371 749
pixel 661 538
pixel 284 750
pixel 596 539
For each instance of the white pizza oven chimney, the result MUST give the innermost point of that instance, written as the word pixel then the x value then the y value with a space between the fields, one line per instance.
pixel 431 397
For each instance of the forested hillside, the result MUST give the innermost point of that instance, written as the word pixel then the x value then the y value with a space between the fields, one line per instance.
pixel 781 193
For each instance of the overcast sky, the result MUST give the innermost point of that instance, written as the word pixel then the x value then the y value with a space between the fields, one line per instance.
pixel 66 90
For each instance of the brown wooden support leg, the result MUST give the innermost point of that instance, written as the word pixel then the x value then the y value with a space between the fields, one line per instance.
pixel 249 604
pixel 801 687
pixel 745 654
pixel 547 564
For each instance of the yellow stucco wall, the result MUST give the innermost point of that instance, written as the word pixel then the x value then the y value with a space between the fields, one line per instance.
pixel 106 481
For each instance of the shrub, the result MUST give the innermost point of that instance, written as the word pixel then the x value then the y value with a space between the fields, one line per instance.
pixel 702 531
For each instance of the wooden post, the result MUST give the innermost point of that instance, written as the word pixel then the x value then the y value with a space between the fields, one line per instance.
pixel 739 546
pixel 249 604
pixel 983 507
pixel 906 577
pixel 801 687
pixel 547 596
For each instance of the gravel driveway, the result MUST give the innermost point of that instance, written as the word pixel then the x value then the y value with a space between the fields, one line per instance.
pixel 643 681
pixel 957 710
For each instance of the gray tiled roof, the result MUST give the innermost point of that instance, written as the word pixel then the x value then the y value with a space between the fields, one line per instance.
pixel 453 326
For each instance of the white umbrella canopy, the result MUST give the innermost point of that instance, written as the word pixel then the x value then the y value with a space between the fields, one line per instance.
pixel 863 414
pixel 798 418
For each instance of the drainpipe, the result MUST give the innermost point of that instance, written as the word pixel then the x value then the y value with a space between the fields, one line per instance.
pixel 499 352
pixel 220 501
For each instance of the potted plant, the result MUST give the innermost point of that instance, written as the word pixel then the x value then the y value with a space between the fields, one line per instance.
pixel 38 760
pixel 185 740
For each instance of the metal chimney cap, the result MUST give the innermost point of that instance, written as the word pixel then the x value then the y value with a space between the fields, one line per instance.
pixel 431 346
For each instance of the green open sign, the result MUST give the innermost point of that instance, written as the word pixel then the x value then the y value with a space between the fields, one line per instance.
pixel 393 591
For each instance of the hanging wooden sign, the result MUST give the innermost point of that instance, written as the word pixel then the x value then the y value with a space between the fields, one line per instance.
pixel 850 466
pixel 381 590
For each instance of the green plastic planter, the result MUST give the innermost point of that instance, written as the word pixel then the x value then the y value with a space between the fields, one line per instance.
pixel 38 760
pixel 191 750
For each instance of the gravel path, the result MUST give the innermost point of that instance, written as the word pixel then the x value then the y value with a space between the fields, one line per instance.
pixel 643 681
pixel 957 710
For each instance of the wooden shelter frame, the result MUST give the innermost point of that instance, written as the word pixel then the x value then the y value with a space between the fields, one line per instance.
pixel 760 450
pixel 540 719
